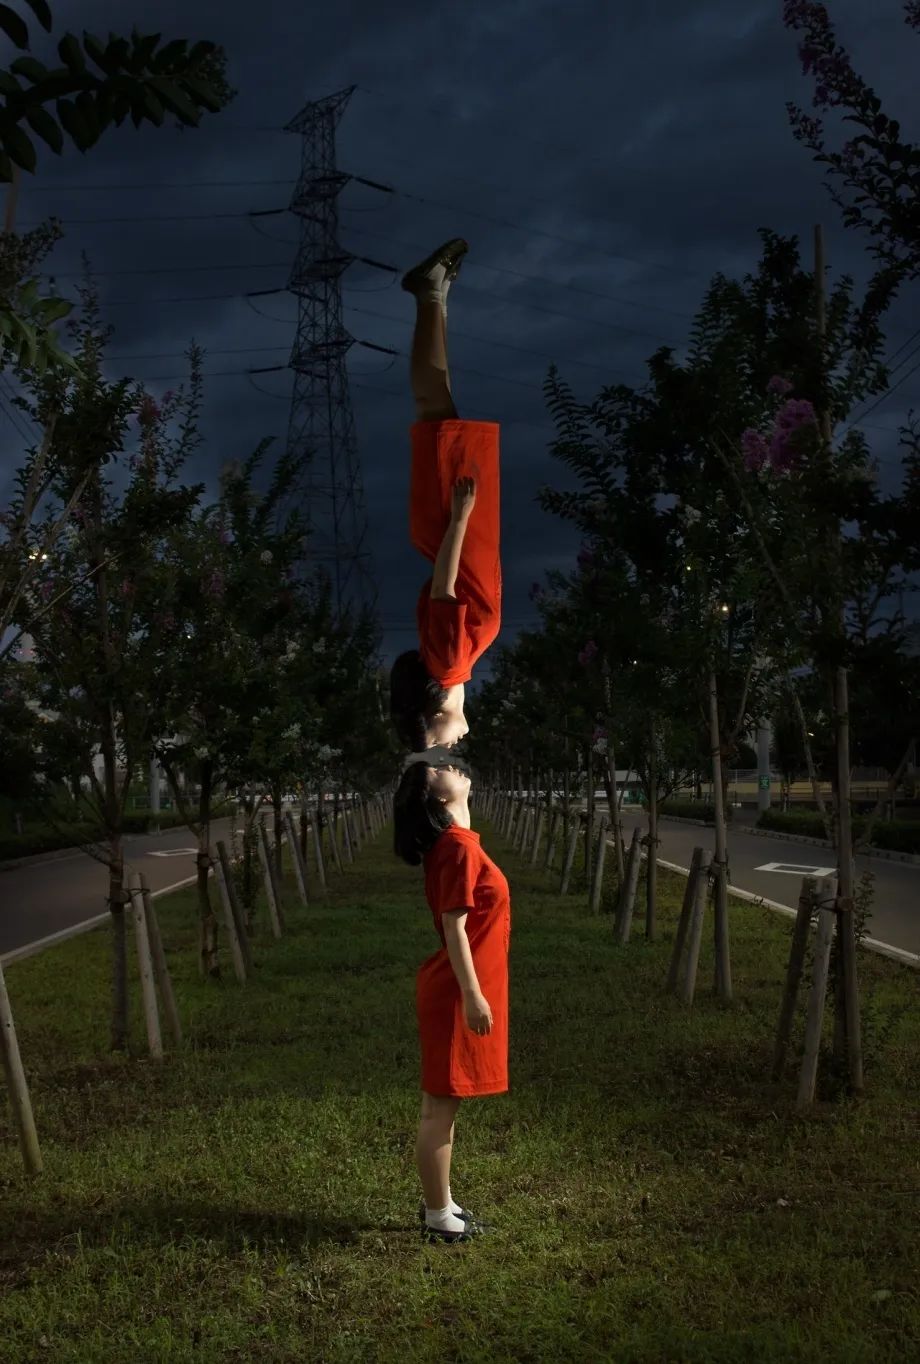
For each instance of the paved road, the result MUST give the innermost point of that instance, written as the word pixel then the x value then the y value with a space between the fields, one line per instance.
pixel 47 896
pixel 896 905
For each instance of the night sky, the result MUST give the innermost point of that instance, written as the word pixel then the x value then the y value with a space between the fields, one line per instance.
pixel 602 160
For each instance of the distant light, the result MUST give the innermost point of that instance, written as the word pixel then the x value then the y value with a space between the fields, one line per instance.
pixel 724 609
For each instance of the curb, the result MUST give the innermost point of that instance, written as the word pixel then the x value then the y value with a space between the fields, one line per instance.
pixel 884 949
pixel 911 859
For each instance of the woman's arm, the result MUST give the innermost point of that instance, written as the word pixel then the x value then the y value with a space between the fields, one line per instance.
pixel 447 564
pixel 458 949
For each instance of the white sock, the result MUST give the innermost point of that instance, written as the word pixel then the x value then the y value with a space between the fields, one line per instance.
pixel 454 1207
pixel 442 1219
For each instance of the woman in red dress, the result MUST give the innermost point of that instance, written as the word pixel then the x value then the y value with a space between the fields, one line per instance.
pixel 462 989
pixel 453 521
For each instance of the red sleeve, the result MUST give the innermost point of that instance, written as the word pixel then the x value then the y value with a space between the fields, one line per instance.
pixel 444 639
pixel 452 875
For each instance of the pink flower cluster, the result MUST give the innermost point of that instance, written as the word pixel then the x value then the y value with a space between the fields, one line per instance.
pixel 779 385
pixel 587 653
pixel 797 414
pixel 912 14
pixel 585 558
pixel 215 584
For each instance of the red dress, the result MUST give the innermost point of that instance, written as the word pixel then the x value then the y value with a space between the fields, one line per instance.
pixel 454 634
pixel 455 1060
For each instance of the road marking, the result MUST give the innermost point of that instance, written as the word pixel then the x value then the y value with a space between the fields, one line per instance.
pixel 172 852
pixel 796 869
pixel 86 925
pixel 884 949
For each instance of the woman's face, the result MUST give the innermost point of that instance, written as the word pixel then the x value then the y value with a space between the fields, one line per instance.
pixel 446 728
pixel 449 784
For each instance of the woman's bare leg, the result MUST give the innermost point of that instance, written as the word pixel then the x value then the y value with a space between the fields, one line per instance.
pixel 428 371
pixel 434 1146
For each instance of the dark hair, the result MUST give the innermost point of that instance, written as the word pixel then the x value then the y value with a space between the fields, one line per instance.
pixel 415 698
pixel 419 818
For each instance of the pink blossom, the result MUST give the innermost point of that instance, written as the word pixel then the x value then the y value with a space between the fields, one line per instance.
pixel 168 396
pixel 45 591
pixel 587 653
pixel 536 592
pixel 215 584
pixel 126 588
pixel 796 413
pixel 585 557
pixel 224 536
pixel 147 410
pixel 754 449
pixel 779 384
pixel 912 14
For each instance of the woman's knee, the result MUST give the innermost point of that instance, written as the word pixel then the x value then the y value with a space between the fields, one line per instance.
pixel 440 1107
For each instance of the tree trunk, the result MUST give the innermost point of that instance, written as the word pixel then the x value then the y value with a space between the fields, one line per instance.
pixel 848 1030
pixel 589 812
pixel 208 962
pixel 613 806
pixel 720 861
pixel 651 880
pixel 277 828
pixel 118 898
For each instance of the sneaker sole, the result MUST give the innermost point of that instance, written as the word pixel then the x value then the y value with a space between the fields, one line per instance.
pixel 456 247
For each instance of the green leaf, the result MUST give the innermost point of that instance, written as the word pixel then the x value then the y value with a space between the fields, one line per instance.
pixel 173 52
pixel 71 54
pixel 175 101
pixel 97 51
pixel 144 48
pixel 203 93
pixel 86 108
pixel 53 309
pixel 42 12
pixel 18 145
pixel 33 70
pixel 148 108
pixel 73 124
pixel 41 122
pixel 14 27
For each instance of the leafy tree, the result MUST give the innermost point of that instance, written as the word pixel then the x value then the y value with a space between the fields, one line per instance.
pixel 92 664
pixel 95 85
pixel 878 168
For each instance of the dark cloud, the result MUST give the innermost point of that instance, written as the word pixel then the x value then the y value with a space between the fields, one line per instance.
pixel 617 155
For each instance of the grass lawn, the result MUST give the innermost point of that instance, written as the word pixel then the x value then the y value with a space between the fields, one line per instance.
pixel 655 1198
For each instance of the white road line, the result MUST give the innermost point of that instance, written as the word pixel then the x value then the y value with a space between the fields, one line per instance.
pixel 883 948
pixel 31 948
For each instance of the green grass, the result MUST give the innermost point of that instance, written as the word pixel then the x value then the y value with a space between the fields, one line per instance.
pixel 255 1197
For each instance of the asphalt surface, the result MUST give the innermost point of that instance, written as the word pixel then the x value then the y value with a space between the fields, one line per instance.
pixel 55 893
pixel 896 899
pixel 49 895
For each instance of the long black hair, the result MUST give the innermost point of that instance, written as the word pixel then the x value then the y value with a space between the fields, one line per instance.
pixel 415 698
pixel 419 818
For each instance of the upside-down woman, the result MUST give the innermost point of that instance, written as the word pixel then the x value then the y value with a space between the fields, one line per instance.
pixel 453 521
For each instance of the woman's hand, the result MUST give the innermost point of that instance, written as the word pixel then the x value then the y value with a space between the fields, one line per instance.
pixel 477 1013
pixel 463 499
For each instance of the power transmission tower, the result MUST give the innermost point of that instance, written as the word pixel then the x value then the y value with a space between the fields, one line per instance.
pixel 321 431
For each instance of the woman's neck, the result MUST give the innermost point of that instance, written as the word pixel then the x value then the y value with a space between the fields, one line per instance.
pixel 461 814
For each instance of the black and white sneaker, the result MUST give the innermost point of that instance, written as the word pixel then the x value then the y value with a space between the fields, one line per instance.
pixel 442 266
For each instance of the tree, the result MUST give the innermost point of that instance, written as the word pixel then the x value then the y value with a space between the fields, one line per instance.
pixel 879 169
pixel 92 662
pixel 96 86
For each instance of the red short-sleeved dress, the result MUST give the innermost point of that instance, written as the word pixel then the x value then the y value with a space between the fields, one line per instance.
pixel 455 1060
pixel 454 634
